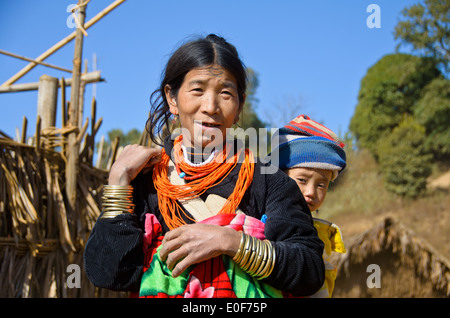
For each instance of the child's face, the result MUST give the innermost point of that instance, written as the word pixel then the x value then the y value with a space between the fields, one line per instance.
pixel 313 184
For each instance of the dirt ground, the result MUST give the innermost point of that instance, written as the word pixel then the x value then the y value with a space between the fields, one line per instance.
pixel 428 219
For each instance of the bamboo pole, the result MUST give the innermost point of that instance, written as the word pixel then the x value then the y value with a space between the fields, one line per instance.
pixel 47 100
pixel 38 134
pixel 63 102
pixel 93 130
pixel 34 61
pixel 98 163
pixel 73 147
pixel 24 129
pixel 61 43
pixel 91 77
pixel 63 115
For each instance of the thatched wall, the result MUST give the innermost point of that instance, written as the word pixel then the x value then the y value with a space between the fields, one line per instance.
pixel 39 236
pixel 409 267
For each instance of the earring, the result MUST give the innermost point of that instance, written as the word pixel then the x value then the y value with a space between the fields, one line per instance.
pixel 236 122
pixel 175 119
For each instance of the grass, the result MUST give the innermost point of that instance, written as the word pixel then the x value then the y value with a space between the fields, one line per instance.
pixel 358 200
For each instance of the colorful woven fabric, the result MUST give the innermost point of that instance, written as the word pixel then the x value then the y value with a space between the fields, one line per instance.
pixel 216 278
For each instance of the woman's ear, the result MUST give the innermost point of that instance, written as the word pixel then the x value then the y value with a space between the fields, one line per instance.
pixel 171 99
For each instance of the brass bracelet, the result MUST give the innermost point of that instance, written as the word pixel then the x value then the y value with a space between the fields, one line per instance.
pixel 252 253
pixel 111 214
pixel 240 252
pixel 253 269
pixel 246 251
pixel 117 200
pixel 266 251
pixel 270 264
pixel 256 257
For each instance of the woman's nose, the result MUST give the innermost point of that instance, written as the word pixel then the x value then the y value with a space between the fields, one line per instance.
pixel 209 104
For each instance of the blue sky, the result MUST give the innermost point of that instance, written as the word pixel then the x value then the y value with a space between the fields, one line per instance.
pixel 308 53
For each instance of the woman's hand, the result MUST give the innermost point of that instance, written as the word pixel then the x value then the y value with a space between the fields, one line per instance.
pixel 194 243
pixel 132 160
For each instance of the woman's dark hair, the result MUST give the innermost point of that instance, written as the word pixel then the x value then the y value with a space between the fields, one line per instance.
pixel 202 52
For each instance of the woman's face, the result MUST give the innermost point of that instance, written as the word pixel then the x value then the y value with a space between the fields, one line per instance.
pixel 313 184
pixel 207 104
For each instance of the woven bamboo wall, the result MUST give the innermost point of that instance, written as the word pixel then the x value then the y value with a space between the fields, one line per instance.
pixel 39 235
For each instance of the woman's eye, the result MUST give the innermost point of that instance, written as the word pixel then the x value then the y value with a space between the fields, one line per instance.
pixel 227 94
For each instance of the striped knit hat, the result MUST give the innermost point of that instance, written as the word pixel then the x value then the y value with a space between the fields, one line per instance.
pixel 306 143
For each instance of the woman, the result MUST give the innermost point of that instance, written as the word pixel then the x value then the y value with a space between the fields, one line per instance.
pixel 196 227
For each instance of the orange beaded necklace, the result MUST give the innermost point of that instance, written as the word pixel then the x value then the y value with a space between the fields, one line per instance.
pixel 208 176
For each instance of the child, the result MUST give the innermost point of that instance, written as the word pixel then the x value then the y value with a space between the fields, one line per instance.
pixel 312 155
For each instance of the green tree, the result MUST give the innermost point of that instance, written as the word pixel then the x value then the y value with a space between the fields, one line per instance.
pixel 249 117
pixel 388 92
pixel 404 161
pixel 131 137
pixel 426 28
pixel 433 112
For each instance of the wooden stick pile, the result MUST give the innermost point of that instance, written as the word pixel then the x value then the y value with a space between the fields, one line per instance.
pixel 39 236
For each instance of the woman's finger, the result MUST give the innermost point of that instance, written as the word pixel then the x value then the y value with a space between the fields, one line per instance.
pixel 181 266
pixel 169 243
pixel 175 256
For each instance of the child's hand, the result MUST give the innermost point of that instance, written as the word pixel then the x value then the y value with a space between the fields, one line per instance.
pixel 132 160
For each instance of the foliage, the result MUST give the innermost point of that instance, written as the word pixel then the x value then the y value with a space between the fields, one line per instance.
pixel 426 28
pixel 404 162
pixel 131 137
pixel 402 118
pixel 389 91
pixel 248 117
pixel 403 106
pixel 433 112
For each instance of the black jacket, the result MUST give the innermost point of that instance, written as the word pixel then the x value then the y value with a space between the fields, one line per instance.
pixel 114 257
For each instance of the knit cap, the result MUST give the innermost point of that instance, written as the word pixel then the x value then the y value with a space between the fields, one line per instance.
pixel 304 142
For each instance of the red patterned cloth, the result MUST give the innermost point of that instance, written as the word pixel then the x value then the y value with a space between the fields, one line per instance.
pixel 219 277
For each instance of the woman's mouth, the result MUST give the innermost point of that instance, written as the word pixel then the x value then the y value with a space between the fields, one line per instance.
pixel 207 125
pixel 208 132
pixel 212 125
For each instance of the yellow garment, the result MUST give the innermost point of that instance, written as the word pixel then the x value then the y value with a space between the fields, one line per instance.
pixel 331 236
